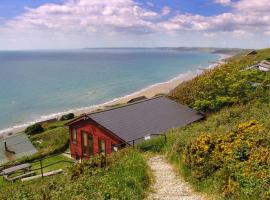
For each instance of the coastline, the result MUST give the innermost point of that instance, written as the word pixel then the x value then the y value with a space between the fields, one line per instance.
pixel 149 92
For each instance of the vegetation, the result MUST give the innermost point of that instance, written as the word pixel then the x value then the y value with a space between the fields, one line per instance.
pixel 123 175
pixel 240 158
pixel 67 116
pixel 51 141
pixel 227 154
pixel 154 145
pixel 34 129
pixel 226 85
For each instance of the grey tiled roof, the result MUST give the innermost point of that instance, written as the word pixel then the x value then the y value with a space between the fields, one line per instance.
pixel 19 143
pixel 264 64
pixel 153 116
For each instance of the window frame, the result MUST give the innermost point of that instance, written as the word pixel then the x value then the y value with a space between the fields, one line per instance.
pixel 100 141
pixel 90 146
pixel 74 133
pixel 84 143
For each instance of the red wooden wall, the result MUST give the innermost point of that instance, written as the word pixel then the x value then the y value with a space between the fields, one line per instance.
pixel 97 132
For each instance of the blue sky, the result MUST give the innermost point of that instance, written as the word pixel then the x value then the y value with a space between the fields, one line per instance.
pixel 12 8
pixel 58 24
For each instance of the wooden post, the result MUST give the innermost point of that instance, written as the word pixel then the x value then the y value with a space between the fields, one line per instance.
pixel 165 138
pixel 41 168
pixel 5 142
pixel 133 143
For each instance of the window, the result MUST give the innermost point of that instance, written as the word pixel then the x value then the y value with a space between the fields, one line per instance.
pixel 84 143
pixel 90 144
pixel 114 147
pixel 101 145
pixel 74 136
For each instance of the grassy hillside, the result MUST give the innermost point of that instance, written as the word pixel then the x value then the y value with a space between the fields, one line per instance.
pixel 226 85
pixel 124 176
pixel 227 154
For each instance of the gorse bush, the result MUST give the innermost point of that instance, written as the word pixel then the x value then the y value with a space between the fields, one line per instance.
pixel 240 158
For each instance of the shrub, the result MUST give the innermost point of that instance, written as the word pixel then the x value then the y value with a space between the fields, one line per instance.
pixel 240 158
pixel 34 129
pixel 67 116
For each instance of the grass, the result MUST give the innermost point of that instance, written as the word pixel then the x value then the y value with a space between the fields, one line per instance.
pixel 126 176
pixel 62 163
pixel 51 141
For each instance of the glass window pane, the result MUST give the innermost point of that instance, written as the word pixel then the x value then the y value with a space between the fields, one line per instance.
pixel 84 141
pixel 74 135
pixel 101 147
pixel 90 143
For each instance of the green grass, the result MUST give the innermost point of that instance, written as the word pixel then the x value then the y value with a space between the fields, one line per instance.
pixel 51 141
pixel 126 176
pixel 63 163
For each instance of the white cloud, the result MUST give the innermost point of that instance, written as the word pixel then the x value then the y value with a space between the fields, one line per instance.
pixel 95 20
pixel 253 6
pixel 223 2
pixel 113 15
pixel 242 20
pixel 166 10
pixel 150 4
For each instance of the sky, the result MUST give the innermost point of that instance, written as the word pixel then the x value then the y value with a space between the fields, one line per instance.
pixel 72 24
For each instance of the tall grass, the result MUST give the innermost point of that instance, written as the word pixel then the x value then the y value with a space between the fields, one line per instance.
pixel 125 177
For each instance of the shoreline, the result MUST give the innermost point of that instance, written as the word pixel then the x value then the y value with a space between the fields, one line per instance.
pixel 149 92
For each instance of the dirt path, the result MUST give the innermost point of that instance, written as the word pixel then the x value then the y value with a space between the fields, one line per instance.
pixel 167 185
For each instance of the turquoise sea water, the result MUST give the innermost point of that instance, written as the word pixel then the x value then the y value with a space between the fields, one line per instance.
pixel 35 84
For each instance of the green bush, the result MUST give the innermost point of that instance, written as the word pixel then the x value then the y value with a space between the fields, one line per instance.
pixel 67 116
pixel 34 129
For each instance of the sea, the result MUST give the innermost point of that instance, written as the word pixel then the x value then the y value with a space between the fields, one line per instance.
pixel 38 85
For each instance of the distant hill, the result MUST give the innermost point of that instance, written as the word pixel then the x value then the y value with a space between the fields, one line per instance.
pixel 230 51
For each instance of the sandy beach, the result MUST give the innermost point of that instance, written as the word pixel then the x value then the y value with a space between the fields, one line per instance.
pixel 149 92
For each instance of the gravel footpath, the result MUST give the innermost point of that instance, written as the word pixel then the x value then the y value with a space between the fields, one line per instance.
pixel 167 185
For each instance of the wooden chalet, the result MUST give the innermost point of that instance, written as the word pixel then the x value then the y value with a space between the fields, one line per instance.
pixel 105 131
